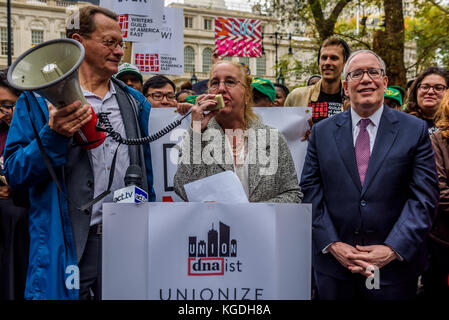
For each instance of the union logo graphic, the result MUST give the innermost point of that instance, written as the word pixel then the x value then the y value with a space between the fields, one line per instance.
pixel 123 23
pixel 147 62
pixel 215 257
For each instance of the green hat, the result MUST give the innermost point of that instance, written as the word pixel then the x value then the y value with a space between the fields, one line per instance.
pixel 191 99
pixel 401 90
pixel 128 68
pixel 393 93
pixel 264 86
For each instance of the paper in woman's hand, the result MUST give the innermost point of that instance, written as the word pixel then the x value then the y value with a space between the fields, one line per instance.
pixel 221 187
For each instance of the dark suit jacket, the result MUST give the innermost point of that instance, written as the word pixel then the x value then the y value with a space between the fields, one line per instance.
pixel 395 206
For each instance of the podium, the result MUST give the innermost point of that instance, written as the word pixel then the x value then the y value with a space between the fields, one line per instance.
pixel 206 251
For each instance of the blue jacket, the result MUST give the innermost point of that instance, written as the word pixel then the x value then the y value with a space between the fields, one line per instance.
pixel 52 248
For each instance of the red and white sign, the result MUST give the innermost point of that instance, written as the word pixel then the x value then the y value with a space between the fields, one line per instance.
pixel 238 37
pixel 166 54
pixel 139 28
pixel 147 63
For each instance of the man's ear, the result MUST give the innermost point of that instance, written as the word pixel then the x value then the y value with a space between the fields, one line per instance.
pixel 345 87
pixel 77 37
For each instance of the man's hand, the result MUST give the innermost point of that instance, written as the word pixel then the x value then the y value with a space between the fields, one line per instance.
pixel 342 251
pixel 375 255
pixel 5 192
pixel 308 132
pixel 67 120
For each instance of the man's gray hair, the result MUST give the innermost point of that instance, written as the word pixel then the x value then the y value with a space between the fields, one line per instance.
pixel 381 62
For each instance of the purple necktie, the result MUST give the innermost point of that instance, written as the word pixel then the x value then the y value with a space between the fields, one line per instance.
pixel 362 152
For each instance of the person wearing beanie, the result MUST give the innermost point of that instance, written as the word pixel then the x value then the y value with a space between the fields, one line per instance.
pixel 393 98
pixel 130 75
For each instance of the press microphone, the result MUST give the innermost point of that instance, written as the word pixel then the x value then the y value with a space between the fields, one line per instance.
pixel 132 192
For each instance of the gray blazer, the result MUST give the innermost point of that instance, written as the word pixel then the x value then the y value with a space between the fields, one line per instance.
pixel 275 181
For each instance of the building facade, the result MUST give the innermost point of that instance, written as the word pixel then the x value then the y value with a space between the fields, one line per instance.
pixel 36 21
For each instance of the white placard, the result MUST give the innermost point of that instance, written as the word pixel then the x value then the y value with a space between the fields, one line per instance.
pixel 165 56
pixel 150 249
pixel 139 7
pixel 212 254
pixel 292 122
pixel 139 28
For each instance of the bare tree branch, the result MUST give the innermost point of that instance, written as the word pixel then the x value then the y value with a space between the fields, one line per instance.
pixel 446 11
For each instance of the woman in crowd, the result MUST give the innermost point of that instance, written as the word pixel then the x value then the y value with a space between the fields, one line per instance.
pixel 239 141
pixel 436 278
pixel 281 94
pixel 182 95
pixel 426 93
pixel 14 239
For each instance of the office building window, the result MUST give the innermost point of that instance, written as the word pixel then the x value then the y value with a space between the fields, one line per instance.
pixel 189 59
pixel 4 41
pixel 244 60
pixel 207 59
pixel 37 36
pixel 261 65
pixel 188 22
pixel 208 24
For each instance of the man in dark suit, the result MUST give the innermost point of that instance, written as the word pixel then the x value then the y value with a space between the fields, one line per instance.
pixel 370 176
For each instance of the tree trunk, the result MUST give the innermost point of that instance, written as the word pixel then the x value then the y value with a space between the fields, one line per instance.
pixel 389 44
pixel 325 26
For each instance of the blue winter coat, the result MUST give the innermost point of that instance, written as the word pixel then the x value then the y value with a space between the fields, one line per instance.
pixel 52 256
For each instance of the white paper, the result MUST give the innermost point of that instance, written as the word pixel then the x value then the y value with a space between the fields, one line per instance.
pixel 221 187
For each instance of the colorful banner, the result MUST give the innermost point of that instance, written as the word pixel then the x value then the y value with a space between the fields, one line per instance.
pixel 238 37
pixel 166 55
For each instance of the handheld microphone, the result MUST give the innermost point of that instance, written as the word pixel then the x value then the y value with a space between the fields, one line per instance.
pixel 132 192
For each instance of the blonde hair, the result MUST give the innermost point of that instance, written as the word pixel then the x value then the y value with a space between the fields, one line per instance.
pixel 250 116
pixel 443 116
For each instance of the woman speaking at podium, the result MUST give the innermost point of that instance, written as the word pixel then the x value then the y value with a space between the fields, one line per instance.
pixel 257 153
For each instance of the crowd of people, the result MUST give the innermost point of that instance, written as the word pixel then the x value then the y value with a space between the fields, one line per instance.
pixel 376 169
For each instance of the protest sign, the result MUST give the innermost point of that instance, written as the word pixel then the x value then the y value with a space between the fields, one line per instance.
pixel 138 28
pixel 238 37
pixel 165 56
pixel 143 8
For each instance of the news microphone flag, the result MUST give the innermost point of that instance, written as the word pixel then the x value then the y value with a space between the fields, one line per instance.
pixel 130 194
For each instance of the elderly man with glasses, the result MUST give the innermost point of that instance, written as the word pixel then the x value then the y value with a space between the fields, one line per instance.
pixel 66 217
pixel 371 178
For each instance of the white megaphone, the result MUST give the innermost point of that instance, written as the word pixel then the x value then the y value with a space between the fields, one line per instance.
pixel 51 70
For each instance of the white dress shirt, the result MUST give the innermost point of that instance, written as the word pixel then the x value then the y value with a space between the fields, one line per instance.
pixel 371 128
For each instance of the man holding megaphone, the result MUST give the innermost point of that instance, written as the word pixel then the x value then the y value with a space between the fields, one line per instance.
pixel 66 175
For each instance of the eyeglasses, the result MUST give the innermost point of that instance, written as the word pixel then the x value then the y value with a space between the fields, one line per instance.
pixel 438 88
pixel 373 73
pixel 229 83
pixel 158 96
pixel 6 108
pixel 109 43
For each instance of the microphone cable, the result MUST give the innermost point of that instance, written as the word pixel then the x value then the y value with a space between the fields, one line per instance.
pixel 104 124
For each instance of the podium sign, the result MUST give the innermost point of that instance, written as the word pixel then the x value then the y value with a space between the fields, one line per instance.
pixel 206 251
